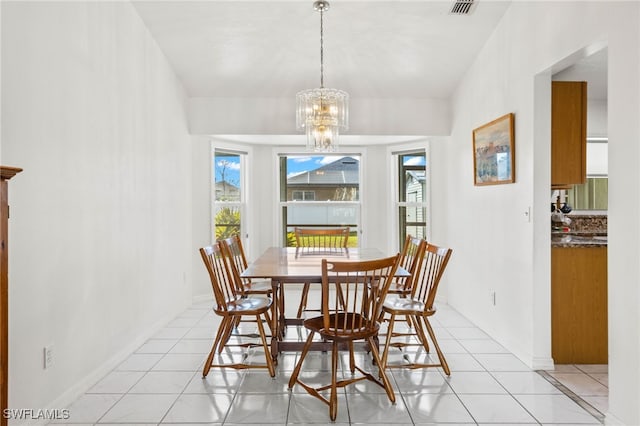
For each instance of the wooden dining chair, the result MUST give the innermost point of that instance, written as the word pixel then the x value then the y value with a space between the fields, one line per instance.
pixel 347 319
pixel 233 249
pixel 318 241
pixel 410 258
pixel 418 306
pixel 231 305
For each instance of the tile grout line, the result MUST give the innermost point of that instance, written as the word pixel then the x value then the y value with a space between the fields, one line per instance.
pixel 572 395
pixel 552 380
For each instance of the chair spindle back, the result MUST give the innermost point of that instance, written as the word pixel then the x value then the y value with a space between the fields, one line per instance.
pixel 232 248
pixel 319 240
pixel 222 277
pixel 430 272
pixel 410 259
pixel 353 292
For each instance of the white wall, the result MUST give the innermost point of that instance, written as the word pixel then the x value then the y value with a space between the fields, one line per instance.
pixel 275 116
pixel 597 118
pixel 201 214
pixel 101 216
pixel 499 248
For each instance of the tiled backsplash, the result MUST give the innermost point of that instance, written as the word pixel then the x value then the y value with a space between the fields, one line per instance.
pixel 588 223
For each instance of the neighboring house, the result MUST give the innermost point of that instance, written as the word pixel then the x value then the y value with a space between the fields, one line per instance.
pixel 413 219
pixel 226 191
pixel 415 186
pixel 337 181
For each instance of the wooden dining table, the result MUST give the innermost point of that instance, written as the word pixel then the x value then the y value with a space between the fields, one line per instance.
pixel 286 265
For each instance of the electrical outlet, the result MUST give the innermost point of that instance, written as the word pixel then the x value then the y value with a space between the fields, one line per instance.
pixel 48 356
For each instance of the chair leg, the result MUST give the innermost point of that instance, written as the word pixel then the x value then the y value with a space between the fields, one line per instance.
pixel 443 361
pixel 417 325
pixel 381 372
pixel 407 318
pixel 333 397
pixel 303 299
pixel 387 343
pixel 227 325
pixel 267 318
pixel 267 352
pixel 352 358
pixel 207 364
pixel 422 337
pixel 303 354
pixel 216 342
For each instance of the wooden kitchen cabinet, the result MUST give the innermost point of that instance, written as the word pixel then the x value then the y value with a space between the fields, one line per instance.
pixel 6 173
pixel 579 305
pixel 568 133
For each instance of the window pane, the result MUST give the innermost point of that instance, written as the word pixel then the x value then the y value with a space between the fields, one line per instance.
pixel 332 180
pixel 227 194
pixel 227 221
pixel 321 178
pixel 227 177
pixel 413 221
pixel 329 216
pixel 592 195
pixel 412 189
pixel 320 215
pixel 412 177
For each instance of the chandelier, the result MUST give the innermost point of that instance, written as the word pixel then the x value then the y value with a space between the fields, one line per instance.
pixel 322 112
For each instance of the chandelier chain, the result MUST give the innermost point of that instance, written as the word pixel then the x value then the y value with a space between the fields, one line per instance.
pixel 321 49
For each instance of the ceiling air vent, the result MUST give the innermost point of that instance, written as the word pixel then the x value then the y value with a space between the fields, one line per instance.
pixel 461 7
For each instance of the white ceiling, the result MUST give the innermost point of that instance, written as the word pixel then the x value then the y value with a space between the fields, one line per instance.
pixel 392 49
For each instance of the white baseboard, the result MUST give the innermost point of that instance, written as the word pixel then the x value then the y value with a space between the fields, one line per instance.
pixel 542 363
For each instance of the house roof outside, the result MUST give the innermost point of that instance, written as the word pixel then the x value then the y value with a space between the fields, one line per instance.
pixel 226 191
pixel 344 171
pixel 418 176
pixel 224 185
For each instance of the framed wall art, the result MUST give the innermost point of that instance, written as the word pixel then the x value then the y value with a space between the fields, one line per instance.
pixel 494 152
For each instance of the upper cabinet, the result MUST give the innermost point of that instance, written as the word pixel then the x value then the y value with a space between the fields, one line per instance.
pixel 568 133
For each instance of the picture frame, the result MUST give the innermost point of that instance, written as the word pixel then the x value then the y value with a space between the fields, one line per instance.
pixel 494 152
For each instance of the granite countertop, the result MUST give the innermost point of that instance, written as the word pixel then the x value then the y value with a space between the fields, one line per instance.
pixel 581 239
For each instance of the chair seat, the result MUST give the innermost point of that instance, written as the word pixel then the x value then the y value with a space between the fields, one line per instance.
pixel 317 324
pixel 249 305
pixel 402 306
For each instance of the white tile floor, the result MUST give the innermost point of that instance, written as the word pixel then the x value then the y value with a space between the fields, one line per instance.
pixel 162 383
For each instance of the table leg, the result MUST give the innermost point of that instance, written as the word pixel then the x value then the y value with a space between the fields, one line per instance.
pixel 276 334
pixel 282 321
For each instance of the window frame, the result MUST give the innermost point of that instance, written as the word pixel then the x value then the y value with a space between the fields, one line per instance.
pixel 283 205
pixel 395 152
pixel 241 204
